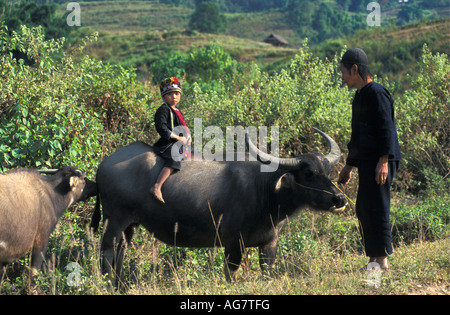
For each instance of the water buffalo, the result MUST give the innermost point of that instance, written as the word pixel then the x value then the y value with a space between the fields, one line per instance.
pixel 209 203
pixel 31 204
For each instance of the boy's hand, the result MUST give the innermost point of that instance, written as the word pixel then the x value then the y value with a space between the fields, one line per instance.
pixel 184 140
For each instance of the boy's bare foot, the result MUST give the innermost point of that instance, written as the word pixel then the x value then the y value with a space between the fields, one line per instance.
pixel 156 192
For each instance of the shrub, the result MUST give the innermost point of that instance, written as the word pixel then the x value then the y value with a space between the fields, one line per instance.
pixel 307 94
pixel 423 116
pixel 208 19
pixel 63 109
pixel 428 220
pixel 209 66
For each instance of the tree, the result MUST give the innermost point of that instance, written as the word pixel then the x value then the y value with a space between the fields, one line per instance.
pixel 332 23
pixel 207 18
pixel 409 13
pixel 301 13
pixel 33 14
pixel 357 6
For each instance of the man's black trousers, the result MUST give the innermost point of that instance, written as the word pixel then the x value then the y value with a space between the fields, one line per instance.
pixel 373 208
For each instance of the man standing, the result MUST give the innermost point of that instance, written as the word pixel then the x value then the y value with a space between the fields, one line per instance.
pixel 374 150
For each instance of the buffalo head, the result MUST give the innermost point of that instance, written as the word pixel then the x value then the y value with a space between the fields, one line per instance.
pixel 304 181
pixel 72 179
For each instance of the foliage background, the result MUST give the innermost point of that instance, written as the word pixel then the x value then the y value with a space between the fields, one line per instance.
pixel 70 108
pixel 60 105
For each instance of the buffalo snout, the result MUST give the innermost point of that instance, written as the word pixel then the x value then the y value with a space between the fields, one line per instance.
pixel 340 202
pixel 90 189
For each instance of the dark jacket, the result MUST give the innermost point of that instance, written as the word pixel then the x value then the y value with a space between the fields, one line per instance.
pixel 165 121
pixel 374 133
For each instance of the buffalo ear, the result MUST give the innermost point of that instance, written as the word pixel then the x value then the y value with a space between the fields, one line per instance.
pixel 287 180
pixel 74 182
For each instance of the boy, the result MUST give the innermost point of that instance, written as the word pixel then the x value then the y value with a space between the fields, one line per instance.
pixel 168 122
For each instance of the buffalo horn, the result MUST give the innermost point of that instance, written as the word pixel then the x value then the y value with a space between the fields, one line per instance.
pixel 287 164
pixel 293 163
pixel 335 153
pixel 48 172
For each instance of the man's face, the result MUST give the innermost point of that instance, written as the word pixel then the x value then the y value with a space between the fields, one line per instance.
pixel 349 77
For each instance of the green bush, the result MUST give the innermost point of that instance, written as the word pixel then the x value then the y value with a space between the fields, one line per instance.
pixel 427 220
pixel 210 67
pixel 423 121
pixel 63 109
pixel 68 108
pixel 307 94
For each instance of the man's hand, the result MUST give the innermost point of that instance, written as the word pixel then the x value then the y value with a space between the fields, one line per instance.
pixel 345 175
pixel 382 170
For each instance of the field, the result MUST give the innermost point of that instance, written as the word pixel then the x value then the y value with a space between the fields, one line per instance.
pixel 308 263
pixel 135 35
pixel 79 101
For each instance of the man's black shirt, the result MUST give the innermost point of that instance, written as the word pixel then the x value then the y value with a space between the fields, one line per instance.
pixel 374 133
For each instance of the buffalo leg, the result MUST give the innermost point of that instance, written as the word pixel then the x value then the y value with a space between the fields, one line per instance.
pixel 124 242
pixel 111 239
pixel 107 249
pixel 233 257
pixel 267 256
pixel 38 253
pixel 2 271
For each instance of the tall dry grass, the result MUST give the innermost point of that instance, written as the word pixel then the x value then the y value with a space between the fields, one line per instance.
pixel 307 263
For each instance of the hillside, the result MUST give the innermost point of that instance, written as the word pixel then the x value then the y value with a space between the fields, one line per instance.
pixel 125 17
pixel 394 50
pixel 138 33
pixel 252 23
pixel 398 47
pixel 60 106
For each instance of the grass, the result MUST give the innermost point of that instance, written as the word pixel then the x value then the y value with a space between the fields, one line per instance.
pixel 138 33
pixel 141 50
pixel 132 16
pixel 319 253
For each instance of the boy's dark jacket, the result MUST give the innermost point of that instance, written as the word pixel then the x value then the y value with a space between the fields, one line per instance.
pixel 165 121
pixel 374 133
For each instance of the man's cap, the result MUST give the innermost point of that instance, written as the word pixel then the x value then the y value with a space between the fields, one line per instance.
pixel 355 56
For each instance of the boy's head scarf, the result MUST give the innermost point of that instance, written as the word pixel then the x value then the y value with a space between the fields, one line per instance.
pixel 170 85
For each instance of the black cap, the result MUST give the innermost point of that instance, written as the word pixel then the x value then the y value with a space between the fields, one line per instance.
pixel 355 56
